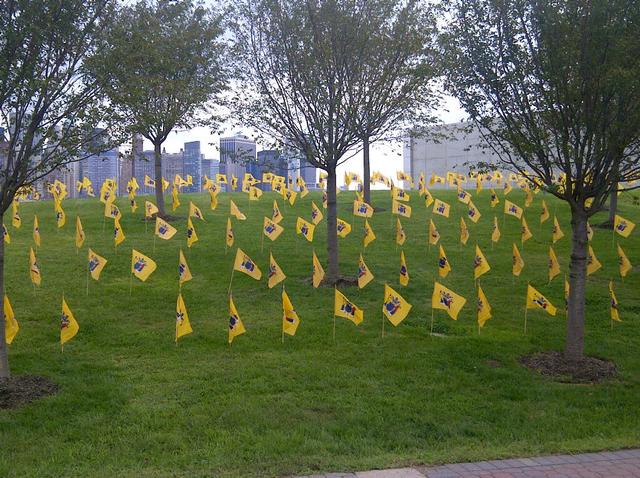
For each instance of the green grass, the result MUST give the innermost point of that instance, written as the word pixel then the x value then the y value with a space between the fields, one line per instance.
pixel 133 404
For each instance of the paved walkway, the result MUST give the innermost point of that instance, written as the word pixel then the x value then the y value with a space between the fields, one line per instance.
pixel 617 464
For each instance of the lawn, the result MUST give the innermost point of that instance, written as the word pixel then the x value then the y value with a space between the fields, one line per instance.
pixel 133 404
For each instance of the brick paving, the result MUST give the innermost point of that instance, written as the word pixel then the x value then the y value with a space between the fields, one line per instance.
pixel 616 464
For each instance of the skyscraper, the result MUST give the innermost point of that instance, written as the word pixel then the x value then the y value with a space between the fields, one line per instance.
pixel 235 152
pixel 193 165
pixel 100 166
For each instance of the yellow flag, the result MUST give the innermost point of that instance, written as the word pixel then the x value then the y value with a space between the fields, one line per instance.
pixel 150 209
pixel 400 234
pixel 316 214
pixel 254 193
pixel 118 233
pixel 495 234
pixel 5 235
pixel 229 238
pixel 343 228
pixel 68 325
pixel 243 263
pixel 164 230
pixel 236 327
pixel 96 264
pixel 183 326
pixel 484 309
pixel 176 201
pixel 623 261
pixel 494 198
pixel 134 204
pixel 343 307
pixel 556 233
pixel 271 229
pixel 34 268
pixel 441 208
pixel 536 300
pixel 184 273
pixel 428 198
pixel 526 232
pixel 400 209
pixel 399 194
pixel 518 262
pixel 194 211
pixel 234 211
pixel 290 196
pixel 192 237
pixel 79 233
pixel 404 273
pixel 369 236
pixel 364 274
pixel 11 326
pixel 623 226
pixel 614 304
pixel 275 275
pixel 394 307
pixel 554 265
pixel 149 182
pixel 507 188
pixel 318 271
pixel 529 198
pixel 593 264
pixel 305 228
pixel 512 209
pixel 544 214
pixel 474 213
pixel 464 231
pixel 36 231
pixel 443 264
pixel 277 215
pixel 480 264
pixel 213 202
pixel 445 299
pixel 111 210
pixel 141 266
pixel 589 232
pixel 290 319
pixel 15 216
pixel 61 217
pixel 434 235
pixel 221 178
pixel 362 209
pixel 463 196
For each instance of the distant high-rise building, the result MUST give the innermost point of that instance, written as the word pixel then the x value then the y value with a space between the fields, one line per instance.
pixel 269 160
pixel 130 162
pixel 100 167
pixel 299 165
pixel 210 167
pixel 235 152
pixel 193 165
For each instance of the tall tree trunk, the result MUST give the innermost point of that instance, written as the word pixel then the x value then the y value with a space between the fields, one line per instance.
pixel 366 174
pixel 613 205
pixel 157 153
pixel 332 229
pixel 4 354
pixel 574 347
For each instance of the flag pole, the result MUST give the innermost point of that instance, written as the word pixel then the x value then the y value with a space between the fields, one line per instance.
pixel 432 313
pixel 282 326
pixel 131 284
pixel 525 311
pixel 231 280
pixel 383 325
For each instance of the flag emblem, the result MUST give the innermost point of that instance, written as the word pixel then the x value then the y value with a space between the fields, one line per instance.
pixel 140 264
pixel 446 299
pixel 64 321
pixel 392 304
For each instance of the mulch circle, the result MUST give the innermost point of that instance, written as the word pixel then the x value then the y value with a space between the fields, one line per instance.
pixel 23 389
pixel 554 365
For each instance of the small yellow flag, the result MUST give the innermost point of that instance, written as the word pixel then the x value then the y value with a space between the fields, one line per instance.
pixel 623 226
pixel 277 215
pixel 164 230
pixel 176 201
pixel 194 211
pixel 474 213
pixel 15 216
pixel 150 209
pixel 305 228
pixel 464 231
pixel 484 309
pixel 118 233
pixel 518 262
pixel 271 229
pixel 68 325
pixel 441 208
pixel 275 275
pixel 111 210
pixel 5 235
pixel 512 209
pixel 526 232
pixel 142 266
pixel 213 199
pixel 434 235
pixel 369 236
pixel 544 213
pixel 318 271
pixel 316 214
pixel 463 196
pixel 34 268
pixel 593 264
pixel 236 327
pixel 290 319
pixel 404 273
pixel 480 264
pixel 192 237
pixel 11 326
pixel 61 217
pixel 362 209
pixel 536 300
pixel 556 233
pixel 229 238
pixel 623 261
pixel 243 263
pixel 234 211
pixel 364 274
pixel 443 264
pixel 400 209
pixel 495 234
pixel 614 304
pixel 184 273
pixel 394 307
pixel 494 198
pixel 554 265
pixel 183 326
pixel 400 234
pixel 96 264
pixel 428 198
pixel 36 231
pixel 343 307
pixel 343 228
pixel 445 299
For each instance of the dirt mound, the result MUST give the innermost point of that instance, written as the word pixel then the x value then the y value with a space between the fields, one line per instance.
pixel 24 389
pixel 556 366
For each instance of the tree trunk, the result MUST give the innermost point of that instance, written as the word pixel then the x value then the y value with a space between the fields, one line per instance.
pixel 4 353
pixel 332 229
pixel 157 153
pixel 574 347
pixel 366 174
pixel 613 206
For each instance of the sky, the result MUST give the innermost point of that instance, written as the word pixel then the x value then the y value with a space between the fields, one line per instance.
pixel 386 157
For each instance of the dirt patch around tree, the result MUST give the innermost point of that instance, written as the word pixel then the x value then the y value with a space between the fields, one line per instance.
pixel 24 389
pixel 555 366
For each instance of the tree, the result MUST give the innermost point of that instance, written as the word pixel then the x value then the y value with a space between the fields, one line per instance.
pixel 49 107
pixel 554 86
pixel 392 72
pixel 296 59
pixel 161 63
